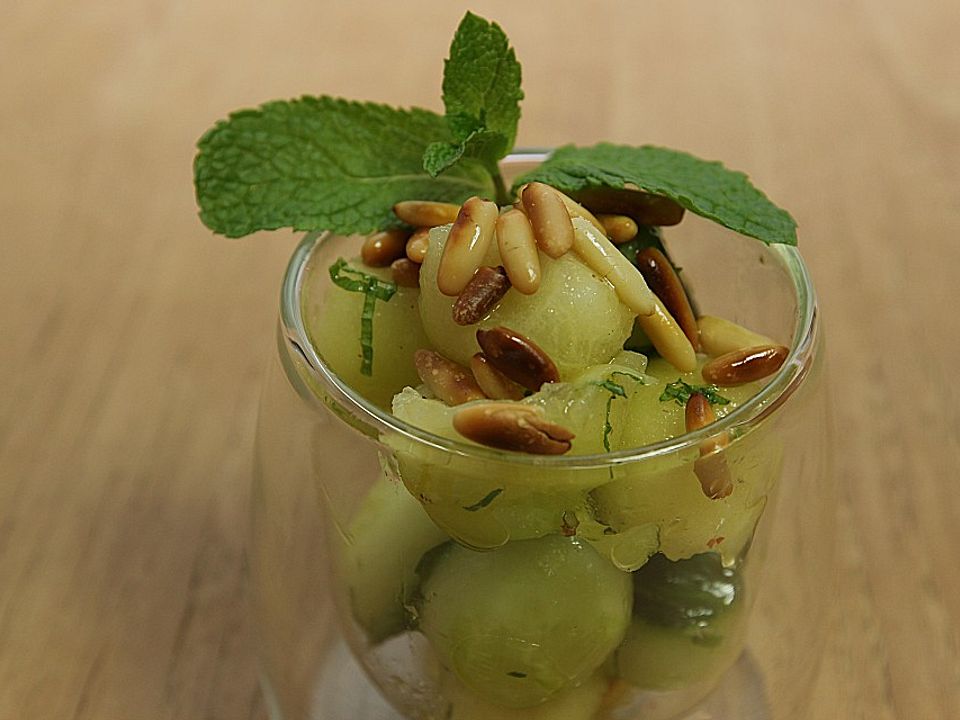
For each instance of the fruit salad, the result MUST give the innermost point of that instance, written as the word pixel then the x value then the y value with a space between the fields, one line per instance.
pixel 518 328
pixel 532 584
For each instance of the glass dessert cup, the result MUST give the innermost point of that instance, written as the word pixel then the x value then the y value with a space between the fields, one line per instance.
pixel 395 573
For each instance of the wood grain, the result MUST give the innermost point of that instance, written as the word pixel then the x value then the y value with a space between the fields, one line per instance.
pixel 133 341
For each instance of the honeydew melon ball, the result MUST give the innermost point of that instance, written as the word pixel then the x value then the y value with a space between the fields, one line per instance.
pixel 384 542
pixel 651 420
pixel 520 624
pixel 689 522
pixel 483 503
pixel 480 503
pixel 579 703
pixel 594 405
pixel 669 495
pixel 688 625
pixel 575 316
pixel 332 318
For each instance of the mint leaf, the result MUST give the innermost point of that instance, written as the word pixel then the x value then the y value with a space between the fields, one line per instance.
pixel 373 289
pixel 481 93
pixel 483 145
pixel 481 82
pixel 484 501
pixel 680 392
pixel 614 388
pixel 322 163
pixel 705 188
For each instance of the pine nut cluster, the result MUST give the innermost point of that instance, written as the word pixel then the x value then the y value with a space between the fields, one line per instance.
pixel 546 220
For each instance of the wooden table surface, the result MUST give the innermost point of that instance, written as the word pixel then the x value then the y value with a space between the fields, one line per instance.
pixel 133 341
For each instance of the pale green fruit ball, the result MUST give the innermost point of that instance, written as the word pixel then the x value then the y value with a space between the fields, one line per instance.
pixel 478 503
pixel 382 546
pixel 522 623
pixel 579 703
pixel 651 420
pixel 332 317
pixel 575 316
pixel 688 626
pixel 669 495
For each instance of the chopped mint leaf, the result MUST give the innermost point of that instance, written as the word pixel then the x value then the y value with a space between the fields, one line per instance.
pixel 616 390
pixel 705 188
pixel 322 163
pixel 607 425
pixel 612 387
pixel 484 501
pixel 680 391
pixel 373 289
pixel 639 378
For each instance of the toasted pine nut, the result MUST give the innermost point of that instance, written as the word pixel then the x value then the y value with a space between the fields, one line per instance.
pixel 577 210
pixel 619 228
pixel 644 207
pixel 426 213
pixel 603 258
pixel 494 383
pixel 485 289
pixel 512 426
pixel 663 281
pixel 669 340
pixel 518 251
pixel 745 365
pixel 517 357
pixel 719 336
pixel 548 217
pixel 450 382
pixel 382 248
pixel 714 475
pixel 711 469
pixel 574 209
pixel 418 244
pixel 467 243
pixel 405 272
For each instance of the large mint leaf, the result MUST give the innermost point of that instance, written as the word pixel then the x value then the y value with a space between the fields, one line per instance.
pixel 481 85
pixel 321 163
pixel 703 187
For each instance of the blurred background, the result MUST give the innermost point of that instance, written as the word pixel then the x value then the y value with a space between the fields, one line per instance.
pixel 132 341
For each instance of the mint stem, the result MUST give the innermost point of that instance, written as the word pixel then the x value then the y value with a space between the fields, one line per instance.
pixel 503 197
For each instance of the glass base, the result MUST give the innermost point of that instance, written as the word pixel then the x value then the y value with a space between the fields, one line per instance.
pixel 344 692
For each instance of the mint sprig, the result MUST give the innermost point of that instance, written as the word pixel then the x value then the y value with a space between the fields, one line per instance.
pixel 481 94
pixel 702 187
pixel 322 163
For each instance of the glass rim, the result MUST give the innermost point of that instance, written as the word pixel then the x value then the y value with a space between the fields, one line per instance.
pixel 753 412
